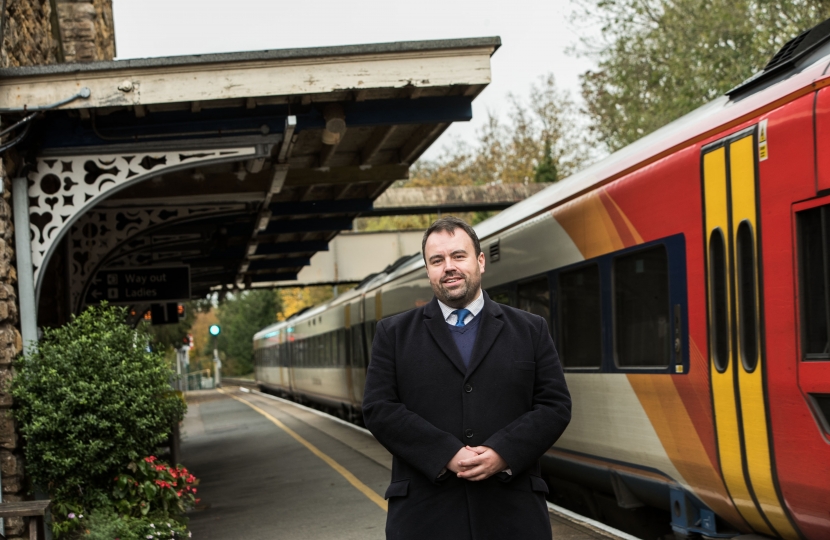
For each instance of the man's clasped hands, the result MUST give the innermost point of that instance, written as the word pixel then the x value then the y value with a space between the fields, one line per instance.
pixel 476 463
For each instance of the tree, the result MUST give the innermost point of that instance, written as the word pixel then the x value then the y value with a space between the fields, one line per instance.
pixel 544 132
pixel 241 316
pixel 660 59
pixel 546 169
pixel 295 299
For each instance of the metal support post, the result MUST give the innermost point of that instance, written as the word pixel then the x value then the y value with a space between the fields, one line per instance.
pixel 26 294
pixel 25 272
pixel 179 369
pixel 218 365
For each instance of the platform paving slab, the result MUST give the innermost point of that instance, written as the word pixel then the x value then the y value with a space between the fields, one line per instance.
pixel 257 482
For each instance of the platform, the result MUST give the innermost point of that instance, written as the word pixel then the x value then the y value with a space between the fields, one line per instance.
pixel 271 469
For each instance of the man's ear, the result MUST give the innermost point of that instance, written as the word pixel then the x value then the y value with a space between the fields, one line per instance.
pixel 481 261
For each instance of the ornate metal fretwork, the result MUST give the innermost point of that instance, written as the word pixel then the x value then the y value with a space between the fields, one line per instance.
pixel 107 237
pixel 62 189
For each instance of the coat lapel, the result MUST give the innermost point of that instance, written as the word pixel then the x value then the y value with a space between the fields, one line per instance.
pixel 437 327
pixel 488 330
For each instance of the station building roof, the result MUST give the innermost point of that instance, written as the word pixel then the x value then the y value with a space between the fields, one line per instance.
pixel 329 129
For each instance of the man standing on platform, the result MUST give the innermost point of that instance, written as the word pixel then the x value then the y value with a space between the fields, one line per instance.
pixel 467 395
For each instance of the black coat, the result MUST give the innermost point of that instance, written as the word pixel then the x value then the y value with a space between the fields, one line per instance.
pixel 423 405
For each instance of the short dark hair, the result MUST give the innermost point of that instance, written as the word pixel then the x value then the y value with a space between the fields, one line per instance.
pixel 450 224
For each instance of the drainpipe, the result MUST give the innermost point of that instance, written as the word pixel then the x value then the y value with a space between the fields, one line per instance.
pixel 25 272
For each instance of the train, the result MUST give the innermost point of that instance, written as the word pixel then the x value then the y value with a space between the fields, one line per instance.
pixel 686 283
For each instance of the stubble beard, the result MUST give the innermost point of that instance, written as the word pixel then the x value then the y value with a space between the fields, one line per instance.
pixel 461 296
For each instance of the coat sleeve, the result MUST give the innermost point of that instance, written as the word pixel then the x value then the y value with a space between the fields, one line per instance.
pixel 404 433
pixel 522 442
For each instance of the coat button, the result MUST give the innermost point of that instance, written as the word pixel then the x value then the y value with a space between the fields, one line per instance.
pixel 468 388
pixel 469 433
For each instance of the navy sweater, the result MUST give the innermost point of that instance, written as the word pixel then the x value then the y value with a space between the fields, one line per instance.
pixel 465 338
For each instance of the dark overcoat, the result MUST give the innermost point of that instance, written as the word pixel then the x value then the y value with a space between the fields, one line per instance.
pixel 423 405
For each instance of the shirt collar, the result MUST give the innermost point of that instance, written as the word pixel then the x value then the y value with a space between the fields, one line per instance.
pixel 475 307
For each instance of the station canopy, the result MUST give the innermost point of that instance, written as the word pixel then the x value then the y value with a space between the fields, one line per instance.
pixel 240 166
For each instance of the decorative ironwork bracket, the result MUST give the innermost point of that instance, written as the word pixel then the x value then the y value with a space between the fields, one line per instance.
pixel 62 189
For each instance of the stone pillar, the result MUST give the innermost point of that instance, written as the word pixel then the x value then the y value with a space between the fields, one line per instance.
pixel 11 344
pixel 86 30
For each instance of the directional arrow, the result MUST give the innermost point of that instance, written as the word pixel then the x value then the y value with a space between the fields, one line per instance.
pixel 151 284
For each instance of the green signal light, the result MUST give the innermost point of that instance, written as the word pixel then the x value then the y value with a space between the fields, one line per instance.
pixel 214 330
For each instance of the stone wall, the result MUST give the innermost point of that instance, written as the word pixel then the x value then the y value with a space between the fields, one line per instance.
pixel 35 32
pixel 11 344
pixel 76 31
pixel 28 34
pixel 86 30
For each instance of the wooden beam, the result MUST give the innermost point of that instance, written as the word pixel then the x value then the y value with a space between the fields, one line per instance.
pixel 234 76
pixel 376 140
pixel 328 151
pixel 347 175
pixel 196 106
pixel 419 141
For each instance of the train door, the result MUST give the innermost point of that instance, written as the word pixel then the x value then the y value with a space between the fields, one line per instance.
pixel 358 355
pixel 291 359
pixel 735 322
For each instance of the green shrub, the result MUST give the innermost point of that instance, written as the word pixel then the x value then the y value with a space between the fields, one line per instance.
pixel 107 525
pixel 91 399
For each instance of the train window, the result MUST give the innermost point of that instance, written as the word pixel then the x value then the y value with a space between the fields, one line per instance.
pixel 501 295
pixel 814 277
pixel 342 346
pixel 580 318
pixel 747 300
pixel 641 309
pixel 534 297
pixel 327 351
pixel 718 300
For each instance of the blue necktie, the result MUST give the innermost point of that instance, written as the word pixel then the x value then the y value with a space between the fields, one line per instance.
pixel 462 314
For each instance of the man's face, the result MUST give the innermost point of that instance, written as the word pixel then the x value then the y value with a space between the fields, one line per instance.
pixel 453 268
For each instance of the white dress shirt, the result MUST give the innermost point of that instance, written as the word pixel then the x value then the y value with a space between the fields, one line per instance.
pixel 475 308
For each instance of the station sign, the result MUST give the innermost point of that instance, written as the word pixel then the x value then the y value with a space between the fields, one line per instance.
pixel 151 285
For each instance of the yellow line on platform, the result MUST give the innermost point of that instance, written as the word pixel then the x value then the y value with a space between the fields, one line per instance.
pixel 352 479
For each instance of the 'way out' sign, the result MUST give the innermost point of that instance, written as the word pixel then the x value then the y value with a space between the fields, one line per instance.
pixel 140 285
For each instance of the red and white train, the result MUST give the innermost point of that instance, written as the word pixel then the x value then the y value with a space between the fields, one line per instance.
pixel 686 280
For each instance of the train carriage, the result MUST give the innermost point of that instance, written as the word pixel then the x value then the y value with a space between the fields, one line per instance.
pixel 686 283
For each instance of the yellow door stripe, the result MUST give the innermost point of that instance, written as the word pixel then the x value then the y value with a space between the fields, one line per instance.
pixel 751 384
pixel 723 384
pixel 352 479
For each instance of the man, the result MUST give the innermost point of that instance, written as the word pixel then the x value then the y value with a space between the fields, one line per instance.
pixel 467 395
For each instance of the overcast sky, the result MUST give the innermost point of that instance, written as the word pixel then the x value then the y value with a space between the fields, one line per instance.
pixel 535 34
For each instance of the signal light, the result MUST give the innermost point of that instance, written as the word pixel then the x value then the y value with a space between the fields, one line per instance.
pixel 214 330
